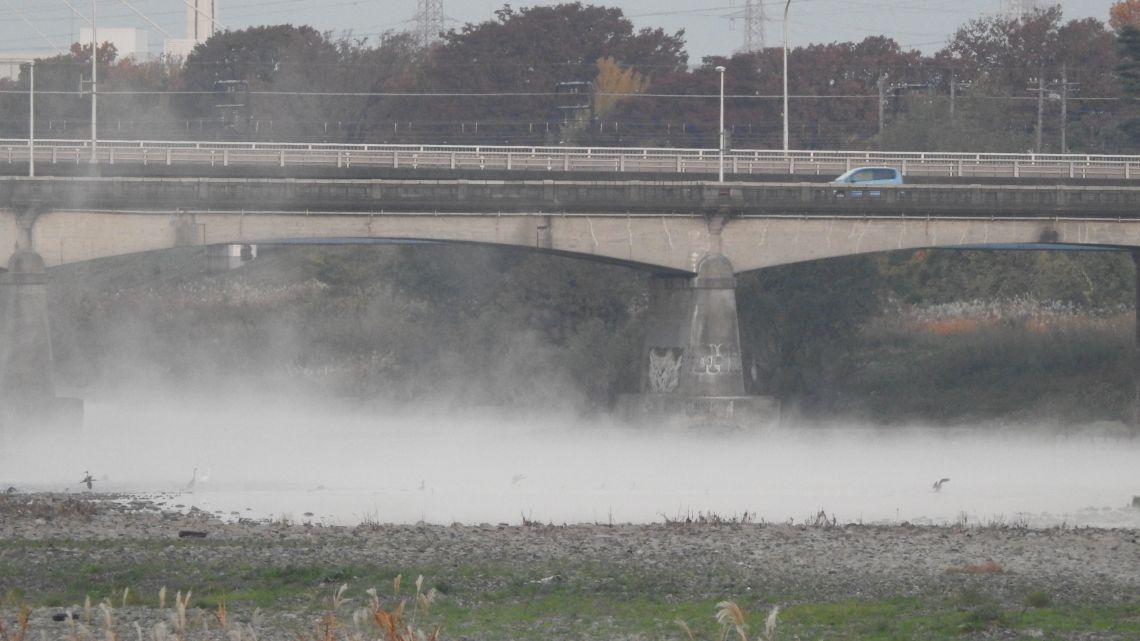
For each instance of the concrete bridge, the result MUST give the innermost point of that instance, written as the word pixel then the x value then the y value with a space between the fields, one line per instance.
pixel 695 235
pixel 340 160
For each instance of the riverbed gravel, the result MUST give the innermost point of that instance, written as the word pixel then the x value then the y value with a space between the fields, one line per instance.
pixel 822 561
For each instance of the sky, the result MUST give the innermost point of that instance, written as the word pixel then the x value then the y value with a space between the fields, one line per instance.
pixel 43 26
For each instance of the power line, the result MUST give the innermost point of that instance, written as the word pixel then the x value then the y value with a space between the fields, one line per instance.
pixel 144 17
pixel 30 24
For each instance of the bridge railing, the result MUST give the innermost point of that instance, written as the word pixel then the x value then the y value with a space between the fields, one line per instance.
pixel 567 159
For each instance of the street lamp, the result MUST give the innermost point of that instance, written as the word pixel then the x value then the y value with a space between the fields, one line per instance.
pixel 94 75
pixel 786 6
pixel 720 172
pixel 31 119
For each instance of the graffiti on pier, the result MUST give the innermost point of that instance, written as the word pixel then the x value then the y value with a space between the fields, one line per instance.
pixel 715 358
pixel 664 367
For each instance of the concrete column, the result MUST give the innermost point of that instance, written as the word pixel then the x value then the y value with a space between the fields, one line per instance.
pixel 691 370
pixel 27 389
pixel 25 343
pixel 1136 347
pixel 692 345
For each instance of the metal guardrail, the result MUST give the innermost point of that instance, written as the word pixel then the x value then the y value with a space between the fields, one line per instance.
pixel 566 159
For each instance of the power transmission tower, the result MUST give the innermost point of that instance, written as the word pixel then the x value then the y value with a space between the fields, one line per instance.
pixel 753 26
pixel 429 20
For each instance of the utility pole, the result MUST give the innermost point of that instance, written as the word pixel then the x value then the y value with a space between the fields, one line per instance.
pixel 953 95
pixel 882 101
pixel 1040 91
pixel 1065 87
pixel 1055 91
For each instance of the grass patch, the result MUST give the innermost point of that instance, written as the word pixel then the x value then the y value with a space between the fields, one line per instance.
pixel 528 599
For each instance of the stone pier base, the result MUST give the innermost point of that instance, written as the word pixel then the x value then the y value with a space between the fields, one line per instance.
pixel 732 413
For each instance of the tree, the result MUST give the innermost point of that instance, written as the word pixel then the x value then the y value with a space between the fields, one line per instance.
pixel 525 53
pixel 60 103
pixel 280 58
pixel 1125 13
pixel 613 83
pixel 997 65
pixel 1129 72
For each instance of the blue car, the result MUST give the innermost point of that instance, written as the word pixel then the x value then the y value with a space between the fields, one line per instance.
pixel 863 179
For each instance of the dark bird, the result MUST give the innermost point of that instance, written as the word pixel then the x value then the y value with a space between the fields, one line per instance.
pixel 938 484
pixel 87 480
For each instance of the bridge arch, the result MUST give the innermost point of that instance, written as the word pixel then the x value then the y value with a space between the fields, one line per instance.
pixel 670 243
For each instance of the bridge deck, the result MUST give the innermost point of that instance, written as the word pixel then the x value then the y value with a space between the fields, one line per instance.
pixel 564 197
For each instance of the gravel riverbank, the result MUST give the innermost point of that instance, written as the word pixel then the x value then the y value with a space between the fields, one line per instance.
pixel 51 545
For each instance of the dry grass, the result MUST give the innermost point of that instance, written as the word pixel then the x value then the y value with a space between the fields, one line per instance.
pixel 990 566
pixel 733 620
pixel 185 623
pixel 1037 316
pixel 20 632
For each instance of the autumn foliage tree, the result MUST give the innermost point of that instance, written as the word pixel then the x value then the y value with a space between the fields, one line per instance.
pixel 1124 14
pixel 517 60
pixel 614 83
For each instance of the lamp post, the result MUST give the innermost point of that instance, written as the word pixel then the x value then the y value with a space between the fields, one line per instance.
pixel 786 6
pixel 94 77
pixel 720 155
pixel 31 118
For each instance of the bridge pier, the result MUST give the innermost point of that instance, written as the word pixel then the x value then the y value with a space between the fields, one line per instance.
pixel 1136 346
pixel 27 389
pixel 691 368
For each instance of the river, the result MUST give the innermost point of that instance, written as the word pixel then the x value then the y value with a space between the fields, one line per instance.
pixel 277 459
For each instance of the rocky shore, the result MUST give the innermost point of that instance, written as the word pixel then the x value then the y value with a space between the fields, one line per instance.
pixel 49 544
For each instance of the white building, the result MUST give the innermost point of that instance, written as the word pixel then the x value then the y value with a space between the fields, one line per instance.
pixel 129 41
pixel 1018 8
pixel 10 62
pixel 201 23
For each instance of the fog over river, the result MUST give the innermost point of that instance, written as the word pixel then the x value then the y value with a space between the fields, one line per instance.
pixel 278 459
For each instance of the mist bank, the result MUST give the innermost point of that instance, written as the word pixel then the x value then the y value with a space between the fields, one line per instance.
pixel 912 337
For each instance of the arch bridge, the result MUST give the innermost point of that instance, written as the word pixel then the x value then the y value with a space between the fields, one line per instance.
pixel 697 235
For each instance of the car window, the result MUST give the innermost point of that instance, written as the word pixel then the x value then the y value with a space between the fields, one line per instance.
pixel 884 174
pixel 862 174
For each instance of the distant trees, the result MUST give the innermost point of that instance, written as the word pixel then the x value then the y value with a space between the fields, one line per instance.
pixel 1003 83
pixel 62 111
pixel 493 82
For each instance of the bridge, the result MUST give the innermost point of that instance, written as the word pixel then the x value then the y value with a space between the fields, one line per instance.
pixel 337 160
pixel 696 235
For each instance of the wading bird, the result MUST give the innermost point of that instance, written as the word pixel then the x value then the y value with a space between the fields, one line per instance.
pixel 195 479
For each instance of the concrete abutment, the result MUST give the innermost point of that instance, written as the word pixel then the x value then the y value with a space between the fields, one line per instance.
pixel 691 366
